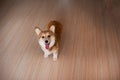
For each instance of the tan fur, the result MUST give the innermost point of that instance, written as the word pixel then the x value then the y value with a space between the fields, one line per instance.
pixel 56 34
pixel 58 31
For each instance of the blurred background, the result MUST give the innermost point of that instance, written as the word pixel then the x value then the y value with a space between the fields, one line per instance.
pixel 90 46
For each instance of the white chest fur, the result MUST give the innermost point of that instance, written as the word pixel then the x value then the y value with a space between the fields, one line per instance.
pixel 47 52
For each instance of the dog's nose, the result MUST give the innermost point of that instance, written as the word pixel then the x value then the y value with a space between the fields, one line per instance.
pixel 46 41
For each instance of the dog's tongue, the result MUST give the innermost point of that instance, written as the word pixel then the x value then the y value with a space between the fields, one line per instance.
pixel 47 46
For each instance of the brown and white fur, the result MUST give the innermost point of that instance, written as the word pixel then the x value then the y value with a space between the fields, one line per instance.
pixel 49 40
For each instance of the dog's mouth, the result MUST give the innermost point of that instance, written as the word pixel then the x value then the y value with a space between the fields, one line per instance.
pixel 47 45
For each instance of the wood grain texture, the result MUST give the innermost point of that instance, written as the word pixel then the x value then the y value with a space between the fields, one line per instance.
pixel 90 48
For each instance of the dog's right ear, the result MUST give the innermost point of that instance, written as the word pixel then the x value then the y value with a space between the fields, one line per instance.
pixel 37 30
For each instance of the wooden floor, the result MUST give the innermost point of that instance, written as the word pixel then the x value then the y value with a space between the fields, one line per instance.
pixel 90 48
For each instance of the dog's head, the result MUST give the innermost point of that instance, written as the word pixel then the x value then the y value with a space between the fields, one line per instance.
pixel 47 37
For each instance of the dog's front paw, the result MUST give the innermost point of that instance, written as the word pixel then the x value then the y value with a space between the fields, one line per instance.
pixel 54 59
pixel 55 55
pixel 45 56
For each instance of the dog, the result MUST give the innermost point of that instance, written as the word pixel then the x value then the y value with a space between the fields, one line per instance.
pixel 49 40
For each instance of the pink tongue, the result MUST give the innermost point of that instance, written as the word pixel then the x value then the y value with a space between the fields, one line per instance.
pixel 47 46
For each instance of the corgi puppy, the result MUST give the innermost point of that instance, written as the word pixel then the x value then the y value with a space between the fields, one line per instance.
pixel 49 40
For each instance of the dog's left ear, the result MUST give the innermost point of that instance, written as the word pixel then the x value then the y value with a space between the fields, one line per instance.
pixel 52 28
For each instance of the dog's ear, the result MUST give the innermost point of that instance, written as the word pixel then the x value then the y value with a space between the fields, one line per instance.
pixel 52 28
pixel 37 30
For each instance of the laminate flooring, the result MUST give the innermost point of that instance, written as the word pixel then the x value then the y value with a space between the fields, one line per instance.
pixel 90 47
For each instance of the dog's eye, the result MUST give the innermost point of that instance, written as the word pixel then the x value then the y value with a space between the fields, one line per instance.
pixel 48 36
pixel 42 36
